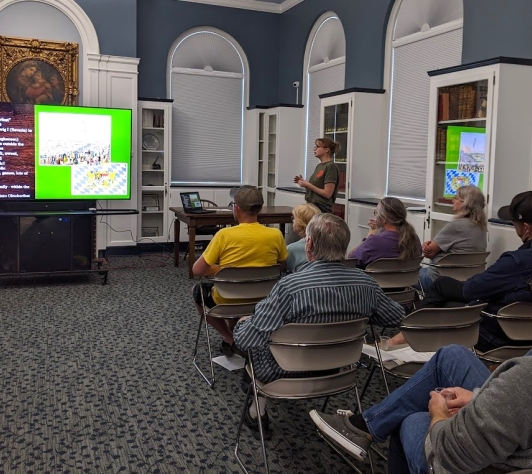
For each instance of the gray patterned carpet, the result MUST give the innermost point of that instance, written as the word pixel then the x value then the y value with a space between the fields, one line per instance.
pixel 99 379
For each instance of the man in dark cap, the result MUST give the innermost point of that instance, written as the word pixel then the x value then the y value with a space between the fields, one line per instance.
pixel 504 282
pixel 249 244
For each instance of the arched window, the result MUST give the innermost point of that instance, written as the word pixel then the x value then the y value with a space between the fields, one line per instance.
pixel 208 77
pixel 324 71
pixel 423 35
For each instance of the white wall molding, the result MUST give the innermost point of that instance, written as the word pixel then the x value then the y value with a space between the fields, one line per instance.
pixel 113 82
pixel 255 5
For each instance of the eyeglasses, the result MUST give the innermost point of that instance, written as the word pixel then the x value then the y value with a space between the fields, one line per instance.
pixel 375 212
pixel 319 146
pixel 292 217
pixel 457 198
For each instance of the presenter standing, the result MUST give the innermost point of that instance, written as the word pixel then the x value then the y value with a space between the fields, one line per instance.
pixel 322 187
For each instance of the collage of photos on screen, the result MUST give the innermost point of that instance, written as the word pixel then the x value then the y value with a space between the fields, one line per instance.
pixel 82 155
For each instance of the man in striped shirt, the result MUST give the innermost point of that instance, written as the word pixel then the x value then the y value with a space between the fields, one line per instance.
pixel 321 291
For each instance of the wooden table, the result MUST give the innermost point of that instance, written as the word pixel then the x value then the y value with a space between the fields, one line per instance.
pixel 269 215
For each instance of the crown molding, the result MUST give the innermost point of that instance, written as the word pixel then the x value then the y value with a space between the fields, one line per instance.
pixel 255 5
pixel 287 4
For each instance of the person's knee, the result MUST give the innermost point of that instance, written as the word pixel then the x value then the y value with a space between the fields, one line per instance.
pixel 455 352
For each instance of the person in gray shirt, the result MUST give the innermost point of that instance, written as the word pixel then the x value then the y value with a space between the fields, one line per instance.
pixel 466 233
pixel 479 420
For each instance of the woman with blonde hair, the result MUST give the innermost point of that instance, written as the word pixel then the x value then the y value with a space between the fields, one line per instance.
pixel 466 233
pixel 390 235
pixel 301 216
pixel 322 186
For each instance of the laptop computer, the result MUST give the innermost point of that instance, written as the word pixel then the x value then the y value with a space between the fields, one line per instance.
pixel 192 204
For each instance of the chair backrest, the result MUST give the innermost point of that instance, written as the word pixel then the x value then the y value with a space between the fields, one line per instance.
pixel 315 347
pixel 462 266
pixel 351 262
pixel 395 272
pixel 246 282
pixel 516 321
pixel 206 203
pixel 429 329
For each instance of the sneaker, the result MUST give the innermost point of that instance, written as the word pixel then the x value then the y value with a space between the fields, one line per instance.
pixel 226 349
pixel 344 434
pixel 253 425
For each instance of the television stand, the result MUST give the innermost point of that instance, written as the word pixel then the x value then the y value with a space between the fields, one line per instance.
pixel 51 242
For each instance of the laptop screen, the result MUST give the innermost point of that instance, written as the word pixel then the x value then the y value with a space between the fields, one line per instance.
pixel 191 201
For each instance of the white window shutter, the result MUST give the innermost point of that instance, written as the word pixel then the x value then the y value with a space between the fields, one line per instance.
pixel 207 129
pixel 407 152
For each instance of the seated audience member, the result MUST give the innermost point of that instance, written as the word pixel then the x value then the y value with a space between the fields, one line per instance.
pixel 390 235
pixel 504 282
pixel 249 244
pixel 301 216
pixel 486 422
pixel 321 291
pixel 466 233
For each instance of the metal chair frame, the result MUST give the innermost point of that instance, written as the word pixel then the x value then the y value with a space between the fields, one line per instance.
pixel 515 320
pixel 439 332
pixel 234 283
pixel 348 341
pixel 461 266
pixel 393 273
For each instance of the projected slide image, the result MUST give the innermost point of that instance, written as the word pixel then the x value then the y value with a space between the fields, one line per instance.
pixel 100 180
pixel 455 179
pixel 472 152
pixel 74 139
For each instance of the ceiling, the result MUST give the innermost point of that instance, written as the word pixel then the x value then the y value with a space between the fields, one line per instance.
pixel 271 6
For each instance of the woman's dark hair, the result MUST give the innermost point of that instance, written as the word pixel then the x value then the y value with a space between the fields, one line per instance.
pixel 394 212
pixel 328 143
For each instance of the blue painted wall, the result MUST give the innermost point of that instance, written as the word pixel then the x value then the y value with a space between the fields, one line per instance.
pixel 161 22
pixel 115 22
pixel 364 23
pixel 497 28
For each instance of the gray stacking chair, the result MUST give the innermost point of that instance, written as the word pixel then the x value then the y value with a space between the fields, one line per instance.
pixel 396 277
pixel 309 348
pixel 250 284
pixel 430 329
pixel 351 262
pixel 461 266
pixel 516 321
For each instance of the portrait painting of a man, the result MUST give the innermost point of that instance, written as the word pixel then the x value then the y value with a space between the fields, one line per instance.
pixel 35 82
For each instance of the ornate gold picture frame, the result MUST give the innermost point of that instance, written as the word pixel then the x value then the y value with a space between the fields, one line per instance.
pixel 34 71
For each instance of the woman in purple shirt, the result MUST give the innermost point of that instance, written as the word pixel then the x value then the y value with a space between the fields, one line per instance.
pixel 390 235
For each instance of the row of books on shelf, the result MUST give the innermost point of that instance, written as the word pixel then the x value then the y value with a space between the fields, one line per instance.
pixel 441 144
pixel 465 101
pixel 339 210
pixel 336 122
pixel 341 182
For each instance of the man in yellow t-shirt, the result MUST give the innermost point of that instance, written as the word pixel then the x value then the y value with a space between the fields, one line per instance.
pixel 249 244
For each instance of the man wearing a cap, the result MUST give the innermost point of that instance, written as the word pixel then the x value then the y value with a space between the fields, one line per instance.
pixel 249 244
pixel 504 282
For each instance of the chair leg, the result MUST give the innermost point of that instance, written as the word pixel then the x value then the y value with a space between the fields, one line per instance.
pixel 239 431
pixel 324 406
pixel 212 380
pixel 377 349
pixel 252 386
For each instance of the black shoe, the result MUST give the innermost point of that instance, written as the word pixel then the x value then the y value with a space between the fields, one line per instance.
pixel 253 425
pixel 239 352
pixel 227 349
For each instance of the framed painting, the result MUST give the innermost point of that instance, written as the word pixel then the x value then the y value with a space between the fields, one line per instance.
pixel 34 71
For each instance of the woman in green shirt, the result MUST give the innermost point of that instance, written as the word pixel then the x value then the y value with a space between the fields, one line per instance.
pixel 322 187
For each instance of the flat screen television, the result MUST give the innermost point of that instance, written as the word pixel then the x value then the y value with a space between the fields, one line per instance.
pixel 464 158
pixel 53 152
